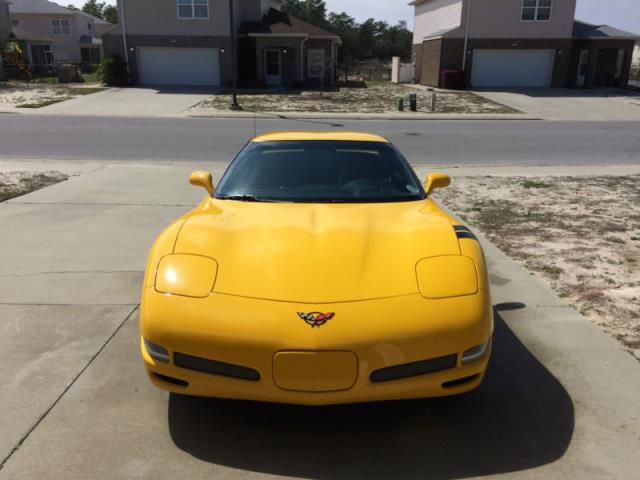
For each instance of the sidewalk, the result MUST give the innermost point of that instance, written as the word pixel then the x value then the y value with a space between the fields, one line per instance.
pixel 560 400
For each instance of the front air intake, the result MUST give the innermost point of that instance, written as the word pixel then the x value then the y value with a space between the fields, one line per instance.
pixel 415 369
pixel 214 367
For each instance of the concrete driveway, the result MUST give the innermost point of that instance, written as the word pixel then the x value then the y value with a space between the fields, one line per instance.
pixel 569 104
pixel 130 102
pixel 559 401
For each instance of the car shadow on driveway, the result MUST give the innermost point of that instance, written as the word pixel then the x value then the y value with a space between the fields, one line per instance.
pixel 520 418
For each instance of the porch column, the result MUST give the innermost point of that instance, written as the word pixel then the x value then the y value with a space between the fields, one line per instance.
pixel 333 62
pixel 302 52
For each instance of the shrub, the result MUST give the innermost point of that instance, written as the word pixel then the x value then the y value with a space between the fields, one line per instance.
pixel 113 71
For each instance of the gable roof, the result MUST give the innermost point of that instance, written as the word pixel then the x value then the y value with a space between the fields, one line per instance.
pixel 92 17
pixel 37 6
pixel 277 23
pixel 588 30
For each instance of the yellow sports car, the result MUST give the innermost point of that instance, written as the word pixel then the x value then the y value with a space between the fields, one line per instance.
pixel 319 272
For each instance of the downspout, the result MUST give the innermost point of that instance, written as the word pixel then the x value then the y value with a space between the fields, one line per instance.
pixel 466 36
pixel 124 39
pixel 304 40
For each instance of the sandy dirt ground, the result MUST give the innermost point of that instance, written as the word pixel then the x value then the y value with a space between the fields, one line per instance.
pixel 14 184
pixel 21 95
pixel 373 97
pixel 580 234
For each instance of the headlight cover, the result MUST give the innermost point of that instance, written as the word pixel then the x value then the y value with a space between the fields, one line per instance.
pixel 186 275
pixel 447 276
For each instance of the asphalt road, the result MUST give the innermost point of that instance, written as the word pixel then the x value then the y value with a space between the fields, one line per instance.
pixel 423 142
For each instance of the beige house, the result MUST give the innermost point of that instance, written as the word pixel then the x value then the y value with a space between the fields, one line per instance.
pixel 517 43
pixel 188 42
pixel 53 34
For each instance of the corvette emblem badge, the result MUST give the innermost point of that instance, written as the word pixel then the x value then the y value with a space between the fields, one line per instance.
pixel 316 319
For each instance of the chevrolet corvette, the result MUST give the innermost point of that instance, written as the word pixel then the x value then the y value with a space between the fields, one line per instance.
pixel 320 271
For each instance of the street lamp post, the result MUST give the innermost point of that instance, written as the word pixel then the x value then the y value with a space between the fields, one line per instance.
pixel 234 64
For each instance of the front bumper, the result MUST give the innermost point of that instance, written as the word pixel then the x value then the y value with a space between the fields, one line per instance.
pixel 253 334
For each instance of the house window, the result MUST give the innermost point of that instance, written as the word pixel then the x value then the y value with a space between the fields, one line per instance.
pixel 61 27
pixel 536 10
pixel 315 63
pixel 15 22
pixel 193 8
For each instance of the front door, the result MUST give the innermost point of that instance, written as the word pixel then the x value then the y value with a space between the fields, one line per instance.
pixel 273 67
pixel 583 66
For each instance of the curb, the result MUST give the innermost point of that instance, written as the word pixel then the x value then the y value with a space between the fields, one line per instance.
pixel 370 116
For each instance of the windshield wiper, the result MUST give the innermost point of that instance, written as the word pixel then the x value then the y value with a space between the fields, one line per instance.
pixel 241 198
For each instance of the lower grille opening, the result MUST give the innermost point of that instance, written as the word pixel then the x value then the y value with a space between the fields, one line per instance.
pixel 214 367
pixel 414 369
pixel 460 381
pixel 171 380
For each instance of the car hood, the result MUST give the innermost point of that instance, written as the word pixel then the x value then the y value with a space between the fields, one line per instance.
pixel 317 253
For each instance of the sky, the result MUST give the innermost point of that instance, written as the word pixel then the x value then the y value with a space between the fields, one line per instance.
pixel 623 14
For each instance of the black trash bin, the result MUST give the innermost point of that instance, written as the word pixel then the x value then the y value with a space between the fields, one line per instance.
pixel 413 102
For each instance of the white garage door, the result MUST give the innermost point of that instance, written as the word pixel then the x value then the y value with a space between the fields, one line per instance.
pixel 512 68
pixel 179 66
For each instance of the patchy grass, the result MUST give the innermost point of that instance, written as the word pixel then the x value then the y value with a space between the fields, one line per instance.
pixel 579 234
pixel 15 184
pixel 22 95
pixel 357 97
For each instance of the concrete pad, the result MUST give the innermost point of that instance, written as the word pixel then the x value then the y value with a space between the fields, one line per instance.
pixel 79 238
pixel 129 102
pixel 42 350
pixel 563 104
pixel 71 288
pixel 149 185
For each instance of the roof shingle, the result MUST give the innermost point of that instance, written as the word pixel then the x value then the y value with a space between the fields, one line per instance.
pixel 587 30
pixel 37 6
pixel 281 23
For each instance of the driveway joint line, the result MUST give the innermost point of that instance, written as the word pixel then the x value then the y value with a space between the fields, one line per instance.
pixel 66 272
pixel 68 387
pixel 102 204
pixel 12 304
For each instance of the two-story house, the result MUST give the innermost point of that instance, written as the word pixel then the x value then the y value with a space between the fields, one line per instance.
pixel 53 34
pixel 517 43
pixel 188 42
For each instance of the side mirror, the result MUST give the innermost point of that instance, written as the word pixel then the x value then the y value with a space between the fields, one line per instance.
pixel 202 179
pixel 437 180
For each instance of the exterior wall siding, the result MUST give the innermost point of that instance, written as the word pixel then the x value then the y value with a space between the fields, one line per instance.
pixel 434 16
pixel 493 19
pixel 153 17
pixel 430 64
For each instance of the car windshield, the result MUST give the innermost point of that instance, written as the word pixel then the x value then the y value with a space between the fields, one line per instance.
pixel 320 172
